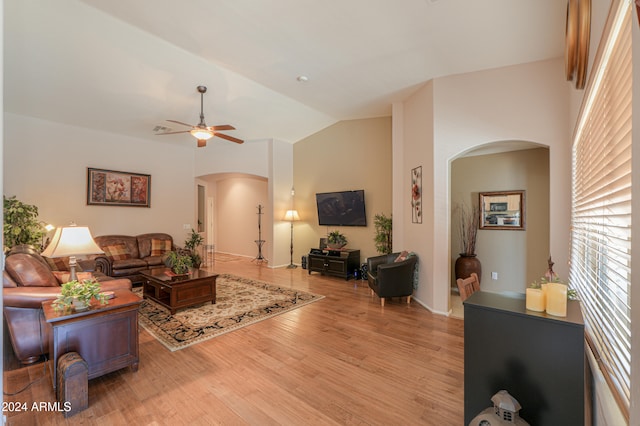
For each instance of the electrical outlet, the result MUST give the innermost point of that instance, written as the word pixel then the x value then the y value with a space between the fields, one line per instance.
pixel 186 226
pixel 494 275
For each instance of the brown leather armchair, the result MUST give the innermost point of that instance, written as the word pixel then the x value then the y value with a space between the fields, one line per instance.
pixel 390 277
pixel 27 282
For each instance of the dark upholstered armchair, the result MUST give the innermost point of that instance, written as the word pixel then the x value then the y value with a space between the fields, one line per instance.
pixel 389 277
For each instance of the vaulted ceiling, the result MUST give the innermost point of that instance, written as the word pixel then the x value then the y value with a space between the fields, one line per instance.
pixel 125 66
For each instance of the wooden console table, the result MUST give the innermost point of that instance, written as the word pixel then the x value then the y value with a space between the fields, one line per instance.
pixel 106 336
pixel 340 263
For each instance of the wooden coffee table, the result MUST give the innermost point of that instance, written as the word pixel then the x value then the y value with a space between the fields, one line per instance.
pixel 105 336
pixel 176 292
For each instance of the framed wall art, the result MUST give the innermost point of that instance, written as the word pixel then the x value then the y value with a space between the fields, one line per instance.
pixel 416 195
pixel 114 188
pixel 502 210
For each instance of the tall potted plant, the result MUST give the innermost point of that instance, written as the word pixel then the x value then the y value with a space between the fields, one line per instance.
pixel 384 235
pixel 468 223
pixel 21 224
pixel 192 243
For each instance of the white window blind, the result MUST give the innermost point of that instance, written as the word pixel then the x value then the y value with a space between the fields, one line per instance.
pixel 601 204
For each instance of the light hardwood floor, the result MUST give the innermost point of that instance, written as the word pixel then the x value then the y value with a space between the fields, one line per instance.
pixel 341 360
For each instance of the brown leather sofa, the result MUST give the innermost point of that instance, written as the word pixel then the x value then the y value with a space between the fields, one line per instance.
pixel 28 280
pixel 126 256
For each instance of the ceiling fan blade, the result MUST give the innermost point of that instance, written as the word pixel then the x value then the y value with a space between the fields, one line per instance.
pixel 223 127
pixel 180 122
pixel 202 143
pixel 173 133
pixel 229 138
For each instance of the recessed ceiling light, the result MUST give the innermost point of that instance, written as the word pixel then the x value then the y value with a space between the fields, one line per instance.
pixel 302 78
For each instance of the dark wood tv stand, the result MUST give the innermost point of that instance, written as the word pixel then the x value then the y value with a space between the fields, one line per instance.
pixel 340 263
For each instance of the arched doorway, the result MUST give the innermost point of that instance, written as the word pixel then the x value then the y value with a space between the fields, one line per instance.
pixel 510 258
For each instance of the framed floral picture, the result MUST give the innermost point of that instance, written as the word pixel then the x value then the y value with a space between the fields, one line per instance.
pixel 114 188
pixel 416 195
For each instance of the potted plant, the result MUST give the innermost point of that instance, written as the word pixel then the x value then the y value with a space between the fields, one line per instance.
pixel 468 222
pixel 21 224
pixel 192 243
pixel 336 240
pixel 78 295
pixel 179 262
pixel 384 235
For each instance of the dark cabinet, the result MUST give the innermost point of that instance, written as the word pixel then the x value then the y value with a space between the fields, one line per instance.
pixel 538 358
pixel 340 263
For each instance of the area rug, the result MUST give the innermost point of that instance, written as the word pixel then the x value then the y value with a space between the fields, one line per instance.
pixel 239 302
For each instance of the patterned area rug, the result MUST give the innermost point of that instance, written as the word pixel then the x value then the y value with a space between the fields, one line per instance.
pixel 239 302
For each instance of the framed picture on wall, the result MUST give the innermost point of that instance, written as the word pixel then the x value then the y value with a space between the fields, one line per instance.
pixel 416 195
pixel 114 188
pixel 502 210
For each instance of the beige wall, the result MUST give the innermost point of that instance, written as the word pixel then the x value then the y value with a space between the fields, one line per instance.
pixel 46 164
pixel 349 155
pixel 519 257
pixel 526 102
pixel 236 223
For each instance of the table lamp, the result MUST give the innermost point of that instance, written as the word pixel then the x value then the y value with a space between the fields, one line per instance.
pixel 72 241
pixel 291 216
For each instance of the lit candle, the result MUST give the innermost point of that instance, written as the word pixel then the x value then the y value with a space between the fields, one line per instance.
pixel 557 299
pixel 535 299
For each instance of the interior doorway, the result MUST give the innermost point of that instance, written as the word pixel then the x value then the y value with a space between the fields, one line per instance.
pixel 510 259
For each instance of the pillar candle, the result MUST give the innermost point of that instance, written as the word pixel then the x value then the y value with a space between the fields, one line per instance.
pixel 535 299
pixel 557 299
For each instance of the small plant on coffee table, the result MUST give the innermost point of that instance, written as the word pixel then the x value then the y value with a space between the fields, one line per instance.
pixel 179 262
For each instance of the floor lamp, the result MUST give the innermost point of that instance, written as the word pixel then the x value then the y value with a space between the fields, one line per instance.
pixel 291 216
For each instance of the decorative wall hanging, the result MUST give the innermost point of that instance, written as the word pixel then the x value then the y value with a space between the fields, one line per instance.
pixel 502 210
pixel 577 35
pixel 416 195
pixel 113 188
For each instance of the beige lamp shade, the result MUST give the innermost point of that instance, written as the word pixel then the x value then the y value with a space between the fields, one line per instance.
pixel 291 215
pixel 71 241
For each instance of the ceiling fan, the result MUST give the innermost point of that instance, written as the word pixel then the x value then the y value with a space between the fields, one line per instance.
pixel 202 132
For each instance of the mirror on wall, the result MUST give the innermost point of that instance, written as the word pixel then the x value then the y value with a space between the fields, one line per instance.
pixel 200 208
pixel 502 210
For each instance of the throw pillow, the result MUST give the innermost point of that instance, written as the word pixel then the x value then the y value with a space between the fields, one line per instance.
pixel 117 252
pixel 58 263
pixel 402 256
pixel 63 276
pixel 160 247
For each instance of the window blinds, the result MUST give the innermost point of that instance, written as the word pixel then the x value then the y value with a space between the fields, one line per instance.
pixel 601 204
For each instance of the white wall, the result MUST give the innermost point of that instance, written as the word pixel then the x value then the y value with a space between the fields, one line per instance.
pixel 280 184
pixel 526 102
pixel 46 164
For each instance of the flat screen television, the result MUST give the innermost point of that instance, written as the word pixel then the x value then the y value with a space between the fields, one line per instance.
pixel 344 208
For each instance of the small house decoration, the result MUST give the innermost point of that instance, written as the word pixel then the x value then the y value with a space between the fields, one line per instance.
pixel 504 412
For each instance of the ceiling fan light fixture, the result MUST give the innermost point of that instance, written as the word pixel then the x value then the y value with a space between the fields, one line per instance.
pixel 204 134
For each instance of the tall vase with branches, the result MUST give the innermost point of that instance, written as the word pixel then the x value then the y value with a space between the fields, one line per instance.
pixel 468 224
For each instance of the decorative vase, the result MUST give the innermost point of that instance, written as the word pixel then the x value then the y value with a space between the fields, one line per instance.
pixel 466 264
pixel 336 246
